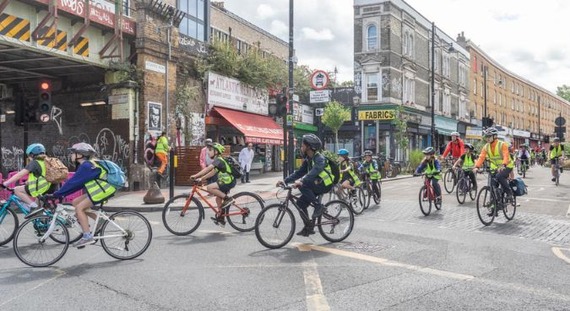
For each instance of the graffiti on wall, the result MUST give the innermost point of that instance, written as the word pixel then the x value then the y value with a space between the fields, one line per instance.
pixel 12 158
pixel 197 129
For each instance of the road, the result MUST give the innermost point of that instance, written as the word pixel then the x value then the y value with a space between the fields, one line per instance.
pixel 395 259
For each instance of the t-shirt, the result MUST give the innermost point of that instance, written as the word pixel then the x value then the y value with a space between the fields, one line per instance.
pixel 219 164
pixel 34 168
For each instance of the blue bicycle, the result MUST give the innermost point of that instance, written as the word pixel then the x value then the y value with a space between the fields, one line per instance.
pixel 8 219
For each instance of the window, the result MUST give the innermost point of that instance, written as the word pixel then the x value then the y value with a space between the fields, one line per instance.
pixel 372 87
pixel 372 37
pixel 409 89
pixel 194 22
pixel 475 86
pixel 446 102
pixel 408 44
pixel 446 66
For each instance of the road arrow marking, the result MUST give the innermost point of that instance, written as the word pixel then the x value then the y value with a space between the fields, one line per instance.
pixel 558 253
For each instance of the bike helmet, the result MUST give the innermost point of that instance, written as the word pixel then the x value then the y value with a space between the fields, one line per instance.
pixel 208 142
pixel 490 132
pixel 342 152
pixel 368 153
pixel 84 149
pixel 469 146
pixel 455 134
pixel 556 139
pixel 218 147
pixel 429 150
pixel 35 149
pixel 312 141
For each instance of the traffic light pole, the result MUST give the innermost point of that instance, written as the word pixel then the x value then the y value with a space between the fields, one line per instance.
pixel 291 144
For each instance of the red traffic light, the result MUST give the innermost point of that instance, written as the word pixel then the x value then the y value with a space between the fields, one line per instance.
pixel 44 86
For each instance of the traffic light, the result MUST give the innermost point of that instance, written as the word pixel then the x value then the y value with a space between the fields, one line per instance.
pixel 45 104
pixel 487 122
pixel 281 101
pixel 560 131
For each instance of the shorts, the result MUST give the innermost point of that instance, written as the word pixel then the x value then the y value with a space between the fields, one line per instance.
pixel 225 188
pixel 349 179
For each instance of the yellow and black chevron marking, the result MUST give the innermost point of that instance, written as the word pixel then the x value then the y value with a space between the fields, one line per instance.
pixel 82 47
pixel 14 27
pixel 46 38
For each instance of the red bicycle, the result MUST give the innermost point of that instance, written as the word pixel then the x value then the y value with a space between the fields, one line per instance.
pixel 427 196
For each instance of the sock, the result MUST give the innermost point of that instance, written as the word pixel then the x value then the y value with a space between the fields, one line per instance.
pixel 87 235
pixel 33 205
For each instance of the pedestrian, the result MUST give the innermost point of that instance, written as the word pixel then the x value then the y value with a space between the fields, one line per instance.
pixel 245 159
pixel 161 152
pixel 204 158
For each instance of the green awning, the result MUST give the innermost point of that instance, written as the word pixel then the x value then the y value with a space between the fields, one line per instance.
pixel 305 127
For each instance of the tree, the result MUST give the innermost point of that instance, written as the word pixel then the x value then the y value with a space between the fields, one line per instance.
pixel 563 91
pixel 401 125
pixel 334 116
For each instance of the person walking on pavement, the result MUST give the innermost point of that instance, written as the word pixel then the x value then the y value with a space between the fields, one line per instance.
pixel 161 153
pixel 205 160
pixel 245 159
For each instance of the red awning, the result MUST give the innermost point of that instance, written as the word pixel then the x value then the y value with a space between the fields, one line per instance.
pixel 256 128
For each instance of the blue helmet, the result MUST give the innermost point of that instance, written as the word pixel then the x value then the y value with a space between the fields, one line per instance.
pixel 342 152
pixel 35 149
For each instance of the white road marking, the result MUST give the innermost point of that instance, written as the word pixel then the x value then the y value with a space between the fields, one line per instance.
pixel 568 211
pixel 315 297
pixel 544 199
pixel 558 253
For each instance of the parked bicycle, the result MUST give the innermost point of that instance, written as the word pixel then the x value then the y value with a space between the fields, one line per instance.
pixel 390 168
pixel 427 196
pixel 183 214
pixel 465 186
pixel 491 199
pixel 43 239
pixel 275 225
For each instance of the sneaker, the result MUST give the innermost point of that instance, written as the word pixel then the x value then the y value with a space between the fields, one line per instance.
pixel 438 199
pixel 227 202
pixel 83 241
pixel 306 231
pixel 248 181
pixel 219 221
pixel 553 179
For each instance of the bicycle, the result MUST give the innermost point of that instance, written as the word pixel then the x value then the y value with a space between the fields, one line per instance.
pixel 356 199
pixel 183 214
pixel 450 176
pixel 124 235
pixel 491 199
pixel 275 225
pixel 522 167
pixel 464 186
pixel 427 196
pixel 556 171
pixel 375 195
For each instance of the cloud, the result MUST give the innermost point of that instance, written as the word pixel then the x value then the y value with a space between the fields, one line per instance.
pixel 312 34
pixel 265 11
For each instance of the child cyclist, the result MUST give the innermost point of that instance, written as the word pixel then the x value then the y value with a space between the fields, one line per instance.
pixel 432 169
pixel 36 171
pixel 370 167
pixel 348 179
pixel 225 180
pixel 467 162
pixel 90 177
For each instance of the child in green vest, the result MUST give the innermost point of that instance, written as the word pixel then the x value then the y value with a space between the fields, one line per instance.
pixel 467 162
pixel 432 168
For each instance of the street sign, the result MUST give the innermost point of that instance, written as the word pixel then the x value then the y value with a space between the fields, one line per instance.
pixel 44 117
pixel 560 121
pixel 322 96
pixel 319 112
pixel 319 80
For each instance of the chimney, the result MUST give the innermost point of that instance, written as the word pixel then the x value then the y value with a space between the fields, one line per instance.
pixel 218 4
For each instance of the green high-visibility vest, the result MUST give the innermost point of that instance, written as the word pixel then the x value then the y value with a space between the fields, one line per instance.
pixel 38 185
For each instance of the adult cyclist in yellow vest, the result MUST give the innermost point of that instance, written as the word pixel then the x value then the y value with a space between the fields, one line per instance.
pixel 348 178
pixel 556 151
pixel 467 163
pixel 371 169
pixel 225 181
pixel 36 171
pixel 161 152
pixel 432 168
pixel 313 178
pixel 497 152
pixel 90 177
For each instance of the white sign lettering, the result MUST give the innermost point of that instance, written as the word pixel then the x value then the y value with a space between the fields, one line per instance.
pixel 154 67
pixel 319 96
pixel 233 94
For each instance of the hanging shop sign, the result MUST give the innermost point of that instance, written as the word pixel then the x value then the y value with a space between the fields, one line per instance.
pixel 233 94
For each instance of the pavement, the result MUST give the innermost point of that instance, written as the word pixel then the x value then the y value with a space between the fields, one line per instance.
pixel 262 184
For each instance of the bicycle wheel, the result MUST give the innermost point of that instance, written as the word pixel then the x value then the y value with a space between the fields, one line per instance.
pixel 557 174
pixel 180 219
pixel 510 209
pixel 486 206
pixel 241 215
pixel 368 194
pixel 377 194
pixel 336 222
pixel 449 181
pixel 8 225
pixel 461 191
pixel 472 191
pixel 425 203
pixel 274 226
pixel 126 235
pixel 34 251
pixel 357 201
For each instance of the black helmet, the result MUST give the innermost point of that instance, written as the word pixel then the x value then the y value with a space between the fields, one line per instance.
pixel 429 150
pixel 469 146
pixel 312 141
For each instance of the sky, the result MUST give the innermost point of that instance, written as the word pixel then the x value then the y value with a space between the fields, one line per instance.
pixel 528 38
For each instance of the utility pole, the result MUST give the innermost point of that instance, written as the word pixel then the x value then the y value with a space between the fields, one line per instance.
pixel 291 144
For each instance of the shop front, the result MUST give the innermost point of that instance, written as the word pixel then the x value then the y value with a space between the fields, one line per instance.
pixel 444 127
pixel 521 137
pixel 376 129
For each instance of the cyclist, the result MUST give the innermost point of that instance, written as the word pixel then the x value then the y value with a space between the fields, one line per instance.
pixel 36 184
pixel 90 177
pixel 225 180
pixel 370 167
pixel 313 178
pixel 432 169
pixel 524 156
pixel 556 151
pixel 467 162
pixel 499 158
pixel 456 147
pixel 348 179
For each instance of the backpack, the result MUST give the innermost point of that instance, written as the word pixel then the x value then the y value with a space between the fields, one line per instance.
pixel 56 171
pixel 335 170
pixel 235 168
pixel 518 187
pixel 115 175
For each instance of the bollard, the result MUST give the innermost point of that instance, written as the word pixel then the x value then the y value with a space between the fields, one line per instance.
pixel 153 195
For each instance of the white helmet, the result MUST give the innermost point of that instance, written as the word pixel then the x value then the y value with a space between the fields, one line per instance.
pixel 83 149
pixel 455 134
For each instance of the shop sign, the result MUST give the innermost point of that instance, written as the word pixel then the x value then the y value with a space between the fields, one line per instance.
pixel 473 132
pixel 233 94
pixel 520 133
pixel 376 115
pixel 303 113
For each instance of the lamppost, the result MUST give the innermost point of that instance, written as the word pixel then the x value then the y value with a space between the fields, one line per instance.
pixel 291 143
pixel 432 129
pixel 485 120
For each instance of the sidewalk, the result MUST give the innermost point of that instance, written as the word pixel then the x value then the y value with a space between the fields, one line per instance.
pixel 263 184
